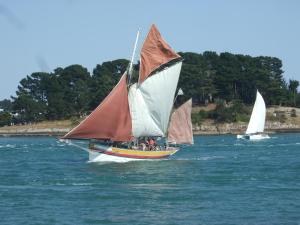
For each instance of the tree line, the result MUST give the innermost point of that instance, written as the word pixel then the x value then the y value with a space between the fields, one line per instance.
pixel 209 77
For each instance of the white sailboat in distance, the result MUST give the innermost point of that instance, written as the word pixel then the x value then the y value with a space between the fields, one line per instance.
pixel 256 124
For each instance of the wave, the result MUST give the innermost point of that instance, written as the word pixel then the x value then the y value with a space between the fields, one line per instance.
pixel 203 158
pixel 81 184
pixel 10 146
pixel 154 186
pixel 283 144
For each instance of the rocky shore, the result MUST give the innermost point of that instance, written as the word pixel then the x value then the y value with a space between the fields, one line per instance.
pixel 239 128
pixel 207 127
pixel 46 128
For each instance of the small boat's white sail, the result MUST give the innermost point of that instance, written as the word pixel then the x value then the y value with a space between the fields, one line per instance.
pixel 181 129
pixel 256 124
pixel 258 116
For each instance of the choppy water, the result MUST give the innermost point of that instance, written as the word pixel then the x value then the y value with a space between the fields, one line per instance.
pixel 219 180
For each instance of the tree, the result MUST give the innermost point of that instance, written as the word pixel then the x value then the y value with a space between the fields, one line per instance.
pixel 105 77
pixel 208 77
pixel 73 82
pixel 6 105
pixel 293 86
pixel 29 109
pixel 31 99
pixel 196 78
pixel 5 118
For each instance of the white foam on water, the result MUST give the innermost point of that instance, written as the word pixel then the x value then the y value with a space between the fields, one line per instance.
pixel 204 158
pixel 60 184
pixel 154 186
pixel 283 144
pixel 239 144
pixel 81 184
pixel 10 146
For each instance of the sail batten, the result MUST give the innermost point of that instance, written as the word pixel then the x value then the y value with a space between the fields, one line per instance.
pixel 181 128
pixel 258 116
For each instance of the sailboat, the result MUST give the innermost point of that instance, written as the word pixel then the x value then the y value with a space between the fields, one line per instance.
pixel 256 124
pixel 181 128
pixel 132 122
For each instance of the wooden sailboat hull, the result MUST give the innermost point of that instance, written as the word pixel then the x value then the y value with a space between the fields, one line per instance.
pixel 109 153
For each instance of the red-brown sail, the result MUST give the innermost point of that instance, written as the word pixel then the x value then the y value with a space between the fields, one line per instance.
pixel 180 130
pixel 155 52
pixel 110 120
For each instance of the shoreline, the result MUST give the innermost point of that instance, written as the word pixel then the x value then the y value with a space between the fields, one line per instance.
pixel 61 132
pixel 206 127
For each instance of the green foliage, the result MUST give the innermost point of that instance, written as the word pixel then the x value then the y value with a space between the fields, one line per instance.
pixel 293 85
pixel 29 109
pixel 6 105
pixel 104 78
pixel 75 120
pixel 228 76
pixel 73 92
pixel 5 119
pixel 197 118
pixel 236 112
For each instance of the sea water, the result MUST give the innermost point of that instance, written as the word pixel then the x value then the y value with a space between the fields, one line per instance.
pixel 219 180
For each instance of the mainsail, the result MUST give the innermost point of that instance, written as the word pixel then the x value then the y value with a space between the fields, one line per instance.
pixel 151 102
pixel 151 99
pixel 110 120
pixel 258 116
pixel 181 129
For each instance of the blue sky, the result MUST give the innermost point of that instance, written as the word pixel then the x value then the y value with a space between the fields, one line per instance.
pixel 42 35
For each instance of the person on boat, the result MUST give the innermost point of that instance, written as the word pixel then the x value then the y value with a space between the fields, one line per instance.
pixel 151 144
pixel 142 144
pixel 147 141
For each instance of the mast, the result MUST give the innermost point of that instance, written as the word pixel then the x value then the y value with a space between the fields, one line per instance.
pixel 132 57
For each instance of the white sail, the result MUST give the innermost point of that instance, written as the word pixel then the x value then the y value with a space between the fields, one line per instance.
pixel 258 116
pixel 151 102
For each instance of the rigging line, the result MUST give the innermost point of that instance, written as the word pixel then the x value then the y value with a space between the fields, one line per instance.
pixel 73 144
